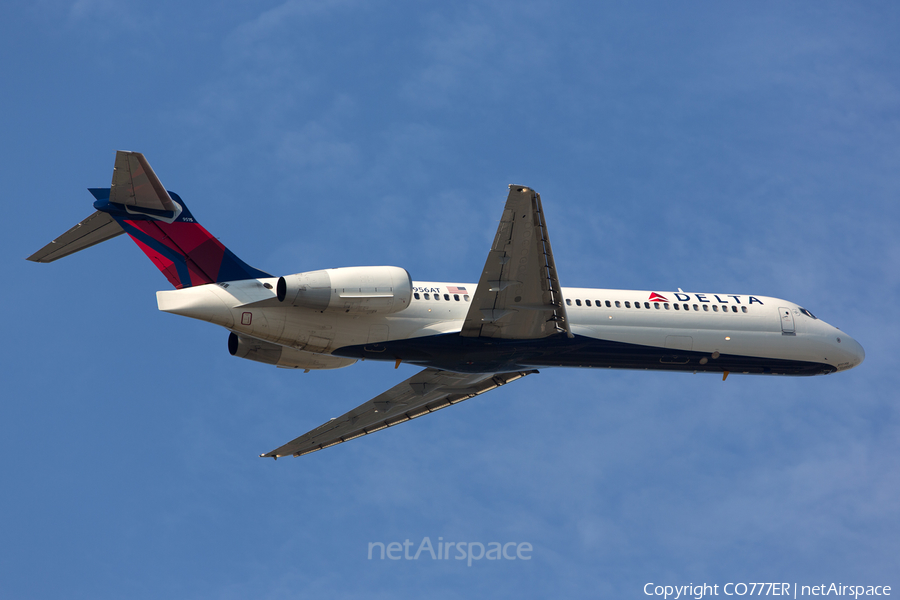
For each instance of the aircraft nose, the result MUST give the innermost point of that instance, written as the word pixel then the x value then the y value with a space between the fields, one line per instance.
pixel 852 353
pixel 856 351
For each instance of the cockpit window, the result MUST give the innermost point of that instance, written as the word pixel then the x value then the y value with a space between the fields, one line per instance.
pixel 807 313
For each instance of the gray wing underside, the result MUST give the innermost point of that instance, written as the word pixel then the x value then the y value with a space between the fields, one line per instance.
pixel 423 393
pixel 518 295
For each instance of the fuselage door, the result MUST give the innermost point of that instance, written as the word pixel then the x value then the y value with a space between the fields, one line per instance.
pixel 787 320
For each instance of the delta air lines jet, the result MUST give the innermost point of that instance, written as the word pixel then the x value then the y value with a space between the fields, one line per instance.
pixel 468 338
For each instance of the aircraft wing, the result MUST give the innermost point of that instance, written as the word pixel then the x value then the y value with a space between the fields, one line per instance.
pixel 518 295
pixel 423 393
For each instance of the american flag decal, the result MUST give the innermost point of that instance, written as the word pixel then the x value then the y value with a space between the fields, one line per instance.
pixel 456 290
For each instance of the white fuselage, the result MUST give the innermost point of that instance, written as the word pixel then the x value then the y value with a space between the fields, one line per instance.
pixel 664 330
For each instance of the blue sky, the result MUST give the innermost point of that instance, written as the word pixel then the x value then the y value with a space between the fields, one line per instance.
pixel 717 148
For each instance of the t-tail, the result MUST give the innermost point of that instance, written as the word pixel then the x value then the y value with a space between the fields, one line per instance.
pixel 160 224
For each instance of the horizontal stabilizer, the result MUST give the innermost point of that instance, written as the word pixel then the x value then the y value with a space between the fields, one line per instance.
pixel 135 184
pixel 97 228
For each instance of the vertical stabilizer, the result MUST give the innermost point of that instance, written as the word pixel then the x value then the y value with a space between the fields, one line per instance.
pixel 161 225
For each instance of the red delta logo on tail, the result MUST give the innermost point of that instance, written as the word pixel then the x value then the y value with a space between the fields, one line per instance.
pixel 158 221
pixel 654 297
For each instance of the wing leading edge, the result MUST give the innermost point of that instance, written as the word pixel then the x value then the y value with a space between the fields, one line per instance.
pixel 423 393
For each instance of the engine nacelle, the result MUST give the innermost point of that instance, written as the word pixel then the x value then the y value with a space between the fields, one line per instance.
pixel 359 290
pixel 288 358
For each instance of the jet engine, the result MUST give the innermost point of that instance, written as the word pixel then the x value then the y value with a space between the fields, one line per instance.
pixel 358 290
pixel 280 356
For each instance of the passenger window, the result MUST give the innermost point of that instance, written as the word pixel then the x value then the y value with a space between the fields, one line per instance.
pixel 608 305
pixel 568 302
pixel 578 302
pixel 706 307
pixel 456 297
pixel 437 296
pixel 588 302
pixel 466 297
pixel 696 308
pixel 666 305
pixel 715 308
pixel 416 295
pixel 637 304
pixel 734 309
pixel 618 304
pixel 627 304
pixel 743 309
pixel 447 297
pixel 427 296
pixel 598 303
pixel 647 305
pixel 676 307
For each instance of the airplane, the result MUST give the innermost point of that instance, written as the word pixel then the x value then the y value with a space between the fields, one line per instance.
pixel 468 338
